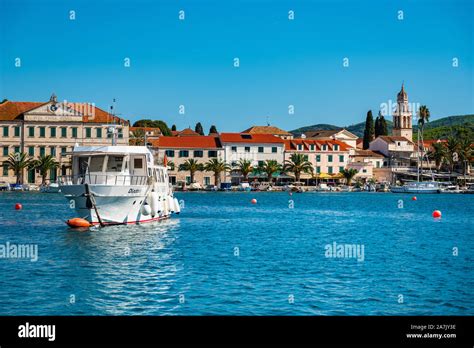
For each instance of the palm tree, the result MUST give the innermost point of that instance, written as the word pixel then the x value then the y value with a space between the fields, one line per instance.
pixel 465 152
pixel 349 174
pixel 423 117
pixel 18 162
pixel 297 164
pixel 137 137
pixel 171 165
pixel 245 168
pixel 217 167
pixel 438 154
pixel 192 166
pixel 45 164
pixel 452 149
pixel 270 167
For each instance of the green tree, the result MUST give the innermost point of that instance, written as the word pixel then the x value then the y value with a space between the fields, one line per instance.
pixel 154 124
pixel 245 168
pixel 465 153
pixel 377 126
pixel 213 130
pixel 217 167
pixel 452 151
pixel 380 126
pixel 438 154
pixel 423 117
pixel 171 165
pixel 137 137
pixel 270 167
pixel 297 164
pixel 18 162
pixel 383 126
pixel 191 166
pixel 45 164
pixel 198 129
pixel 173 128
pixel 349 174
pixel 369 130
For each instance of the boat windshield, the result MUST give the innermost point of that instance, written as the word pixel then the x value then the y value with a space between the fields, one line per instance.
pixel 96 164
pixel 114 164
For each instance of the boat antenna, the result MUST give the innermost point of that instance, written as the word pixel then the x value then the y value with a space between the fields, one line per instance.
pixel 112 130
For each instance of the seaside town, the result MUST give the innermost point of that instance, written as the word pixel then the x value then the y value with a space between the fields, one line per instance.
pixel 36 140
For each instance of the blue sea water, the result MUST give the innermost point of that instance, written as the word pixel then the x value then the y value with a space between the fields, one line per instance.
pixel 225 256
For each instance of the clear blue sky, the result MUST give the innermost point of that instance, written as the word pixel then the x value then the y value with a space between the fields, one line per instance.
pixel 282 62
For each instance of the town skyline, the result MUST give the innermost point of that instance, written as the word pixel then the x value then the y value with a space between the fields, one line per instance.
pixel 325 73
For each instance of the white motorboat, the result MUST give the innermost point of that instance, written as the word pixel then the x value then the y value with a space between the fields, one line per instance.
pixel 115 185
pixel 417 187
pixel 51 188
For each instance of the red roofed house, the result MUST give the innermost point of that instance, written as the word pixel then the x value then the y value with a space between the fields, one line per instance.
pixel 178 149
pixel 53 128
pixel 327 156
pixel 254 147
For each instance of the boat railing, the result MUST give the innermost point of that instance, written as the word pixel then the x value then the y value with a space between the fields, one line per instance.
pixel 103 179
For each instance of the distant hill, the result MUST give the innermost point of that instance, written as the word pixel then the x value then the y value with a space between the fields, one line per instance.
pixel 433 130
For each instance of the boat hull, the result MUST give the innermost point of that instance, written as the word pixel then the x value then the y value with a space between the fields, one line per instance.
pixel 413 190
pixel 114 205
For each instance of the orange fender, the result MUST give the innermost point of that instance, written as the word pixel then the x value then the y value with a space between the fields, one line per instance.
pixel 78 222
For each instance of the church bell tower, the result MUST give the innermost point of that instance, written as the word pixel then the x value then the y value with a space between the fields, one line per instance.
pixel 402 116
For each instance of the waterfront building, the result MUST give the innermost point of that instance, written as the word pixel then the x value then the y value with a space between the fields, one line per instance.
pixel 368 163
pixel 338 134
pixel 397 149
pixel 53 128
pixel 402 116
pixel 327 156
pixel 272 130
pixel 254 147
pixel 179 149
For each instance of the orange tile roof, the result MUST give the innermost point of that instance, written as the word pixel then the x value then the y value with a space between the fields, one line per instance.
pixel 292 145
pixel 200 142
pixel 266 130
pixel 367 153
pixel 11 110
pixel 250 138
pixel 187 132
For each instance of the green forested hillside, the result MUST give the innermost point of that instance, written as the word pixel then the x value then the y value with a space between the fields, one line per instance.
pixel 436 129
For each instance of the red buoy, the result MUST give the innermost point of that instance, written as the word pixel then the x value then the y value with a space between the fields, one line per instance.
pixel 437 214
pixel 414 198
pixel 253 201
pixel 78 222
pixel 18 206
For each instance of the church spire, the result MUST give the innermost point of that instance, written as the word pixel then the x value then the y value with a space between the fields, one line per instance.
pixel 402 117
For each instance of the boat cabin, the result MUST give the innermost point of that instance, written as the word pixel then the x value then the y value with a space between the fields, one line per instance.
pixel 115 165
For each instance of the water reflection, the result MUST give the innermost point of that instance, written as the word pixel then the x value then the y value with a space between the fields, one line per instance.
pixel 126 269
